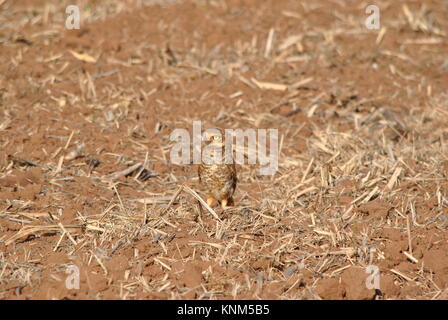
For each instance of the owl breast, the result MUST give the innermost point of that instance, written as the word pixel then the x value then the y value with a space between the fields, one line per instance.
pixel 218 180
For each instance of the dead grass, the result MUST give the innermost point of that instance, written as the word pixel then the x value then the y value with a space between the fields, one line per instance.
pixel 352 163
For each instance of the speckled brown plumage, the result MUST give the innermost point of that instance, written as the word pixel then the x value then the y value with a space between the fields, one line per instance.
pixel 219 180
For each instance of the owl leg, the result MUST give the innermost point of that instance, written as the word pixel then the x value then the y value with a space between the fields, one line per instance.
pixel 224 203
pixel 211 201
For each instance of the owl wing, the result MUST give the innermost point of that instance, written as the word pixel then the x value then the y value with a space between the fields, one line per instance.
pixel 233 175
pixel 200 170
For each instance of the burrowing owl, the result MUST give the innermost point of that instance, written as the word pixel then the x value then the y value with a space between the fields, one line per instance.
pixel 218 175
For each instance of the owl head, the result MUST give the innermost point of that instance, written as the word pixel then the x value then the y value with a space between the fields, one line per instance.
pixel 215 137
pixel 216 148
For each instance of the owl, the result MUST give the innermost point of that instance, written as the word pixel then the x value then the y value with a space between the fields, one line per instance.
pixel 217 172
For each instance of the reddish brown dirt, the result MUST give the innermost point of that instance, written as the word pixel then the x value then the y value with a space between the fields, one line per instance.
pixel 333 208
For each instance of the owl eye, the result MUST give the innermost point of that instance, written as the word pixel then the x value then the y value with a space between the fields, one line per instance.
pixel 217 138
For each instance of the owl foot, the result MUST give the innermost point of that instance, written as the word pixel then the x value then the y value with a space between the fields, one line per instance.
pixel 225 203
pixel 211 201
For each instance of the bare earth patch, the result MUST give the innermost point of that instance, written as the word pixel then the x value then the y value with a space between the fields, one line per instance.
pixel 85 171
